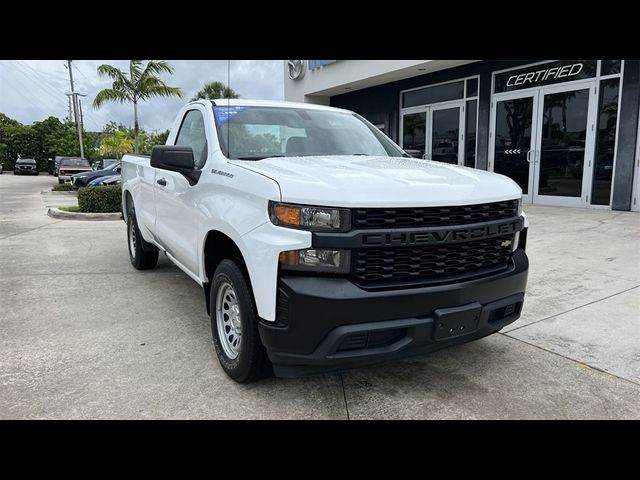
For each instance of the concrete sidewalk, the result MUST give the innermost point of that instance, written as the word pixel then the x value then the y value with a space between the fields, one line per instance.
pixel 84 335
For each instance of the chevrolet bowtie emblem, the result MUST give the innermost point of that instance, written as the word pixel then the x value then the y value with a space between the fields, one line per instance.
pixel 505 243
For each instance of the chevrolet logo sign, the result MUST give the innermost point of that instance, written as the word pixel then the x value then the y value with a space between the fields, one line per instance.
pixel 505 243
pixel 442 235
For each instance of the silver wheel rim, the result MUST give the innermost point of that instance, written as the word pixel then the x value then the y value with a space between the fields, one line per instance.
pixel 132 240
pixel 228 320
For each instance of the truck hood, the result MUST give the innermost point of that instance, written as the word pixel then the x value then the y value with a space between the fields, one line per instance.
pixel 368 181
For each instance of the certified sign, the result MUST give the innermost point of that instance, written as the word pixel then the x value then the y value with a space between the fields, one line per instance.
pixel 296 69
pixel 546 74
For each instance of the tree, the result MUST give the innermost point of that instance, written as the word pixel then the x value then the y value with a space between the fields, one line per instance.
pixel 42 140
pixel 116 144
pixel 140 84
pixel 213 90
pixel 149 140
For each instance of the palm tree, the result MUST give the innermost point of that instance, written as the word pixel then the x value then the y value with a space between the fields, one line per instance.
pixel 118 144
pixel 213 90
pixel 141 83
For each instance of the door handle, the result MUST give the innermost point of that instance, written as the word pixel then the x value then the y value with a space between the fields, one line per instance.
pixel 162 182
pixel 529 155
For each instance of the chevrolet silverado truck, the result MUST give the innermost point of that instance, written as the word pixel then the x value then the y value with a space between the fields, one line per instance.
pixel 319 243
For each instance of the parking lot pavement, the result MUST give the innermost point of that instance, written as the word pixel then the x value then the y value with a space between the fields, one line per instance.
pixel 84 335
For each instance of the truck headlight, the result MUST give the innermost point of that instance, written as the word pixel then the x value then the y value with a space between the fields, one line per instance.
pixel 316 260
pixel 323 219
pixel 520 206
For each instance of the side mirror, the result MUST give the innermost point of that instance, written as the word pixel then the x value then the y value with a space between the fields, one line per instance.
pixel 172 157
pixel 176 158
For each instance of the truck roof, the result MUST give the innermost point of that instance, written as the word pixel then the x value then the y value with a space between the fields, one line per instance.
pixel 268 103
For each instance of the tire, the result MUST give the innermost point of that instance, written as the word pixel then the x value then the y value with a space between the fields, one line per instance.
pixel 60 181
pixel 231 289
pixel 142 255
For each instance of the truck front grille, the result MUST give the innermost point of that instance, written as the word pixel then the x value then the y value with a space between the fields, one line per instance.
pixel 366 218
pixel 431 263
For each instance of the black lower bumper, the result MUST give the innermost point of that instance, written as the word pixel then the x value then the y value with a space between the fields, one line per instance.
pixel 328 324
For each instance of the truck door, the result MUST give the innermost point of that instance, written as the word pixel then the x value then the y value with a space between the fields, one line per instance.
pixel 176 212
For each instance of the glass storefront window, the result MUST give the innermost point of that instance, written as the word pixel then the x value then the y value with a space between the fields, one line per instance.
pixel 414 134
pixel 472 87
pixel 564 133
pixel 470 134
pixel 514 120
pixel 445 134
pixel 605 141
pixel 610 67
pixel 435 94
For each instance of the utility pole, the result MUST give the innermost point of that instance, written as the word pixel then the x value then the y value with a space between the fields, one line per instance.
pixel 75 109
pixel 81 116
pixel 69 116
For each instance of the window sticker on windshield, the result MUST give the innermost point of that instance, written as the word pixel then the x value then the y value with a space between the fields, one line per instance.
pixel 224 114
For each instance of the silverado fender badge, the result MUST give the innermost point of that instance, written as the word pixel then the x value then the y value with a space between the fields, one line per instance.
pixel 220 172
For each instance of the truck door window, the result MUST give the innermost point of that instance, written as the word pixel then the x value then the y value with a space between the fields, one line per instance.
pixel 192 134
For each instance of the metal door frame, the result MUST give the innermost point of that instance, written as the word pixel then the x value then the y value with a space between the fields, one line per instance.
pixel 589 147
pixel 534 94
pixel 460 105
pixel 428 111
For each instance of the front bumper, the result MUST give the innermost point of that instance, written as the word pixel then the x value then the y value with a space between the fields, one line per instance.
pixel 327 324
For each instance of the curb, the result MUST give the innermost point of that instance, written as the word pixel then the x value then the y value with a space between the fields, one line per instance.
pixel 57 213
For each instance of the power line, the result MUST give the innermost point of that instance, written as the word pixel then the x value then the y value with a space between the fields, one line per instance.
pixel 89 117
pixel 34 81
pixel 84 76
pixel 58 76
pixel 29 100
pixel 35 75
pixel 100 113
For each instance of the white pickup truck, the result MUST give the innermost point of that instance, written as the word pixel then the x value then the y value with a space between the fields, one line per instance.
pixel 319 243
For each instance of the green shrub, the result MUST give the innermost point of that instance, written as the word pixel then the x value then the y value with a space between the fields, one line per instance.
pixel 62 187
pixel 103 199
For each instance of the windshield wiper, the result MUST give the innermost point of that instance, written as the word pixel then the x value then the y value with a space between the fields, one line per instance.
pixel 257 157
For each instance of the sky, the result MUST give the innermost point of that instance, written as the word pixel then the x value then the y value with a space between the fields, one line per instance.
pixel 31 90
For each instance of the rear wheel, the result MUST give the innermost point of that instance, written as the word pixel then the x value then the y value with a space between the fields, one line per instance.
pixel 234 324
pixel 142 255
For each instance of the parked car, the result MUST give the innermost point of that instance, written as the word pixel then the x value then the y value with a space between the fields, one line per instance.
pixel 1 169
pixel 115 180
pixel 69 166
pixel 55 163
pixel 325 246
pixel 25 166
pixel 80 180
pixel 109 180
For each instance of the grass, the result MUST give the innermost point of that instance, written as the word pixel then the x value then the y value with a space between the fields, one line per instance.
pixel 62 187
pixel 73 208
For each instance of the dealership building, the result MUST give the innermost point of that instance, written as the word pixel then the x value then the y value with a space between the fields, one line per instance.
pixel 567 131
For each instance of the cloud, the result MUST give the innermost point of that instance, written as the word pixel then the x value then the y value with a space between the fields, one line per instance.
pixel 31 90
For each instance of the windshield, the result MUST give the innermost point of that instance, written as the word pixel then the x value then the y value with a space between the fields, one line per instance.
pixel 253 133
pixel 26 160
pixel 75 162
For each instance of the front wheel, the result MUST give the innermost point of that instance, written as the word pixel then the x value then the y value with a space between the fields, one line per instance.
pixel 142 255
pixel 234 325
